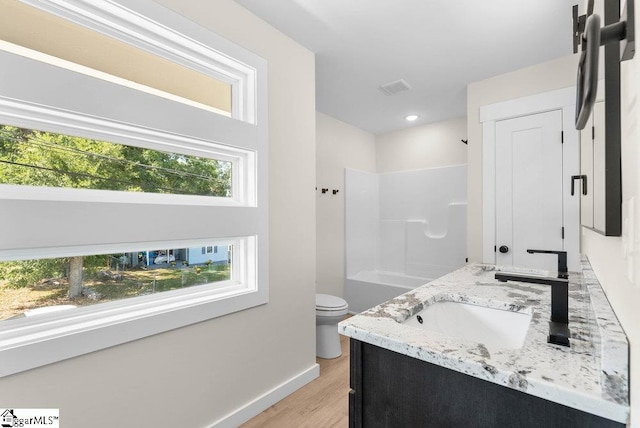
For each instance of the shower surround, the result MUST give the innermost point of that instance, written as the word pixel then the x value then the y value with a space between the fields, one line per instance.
pixel 403 229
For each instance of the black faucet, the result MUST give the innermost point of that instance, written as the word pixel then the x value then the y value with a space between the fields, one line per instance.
pixel 559 324
pixel 562 261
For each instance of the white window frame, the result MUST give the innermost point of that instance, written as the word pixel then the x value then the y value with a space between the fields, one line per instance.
pixel 34 94
pixel 139 24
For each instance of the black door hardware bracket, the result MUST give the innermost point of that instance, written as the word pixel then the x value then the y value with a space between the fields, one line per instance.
pixel 583 179
pixel 591 36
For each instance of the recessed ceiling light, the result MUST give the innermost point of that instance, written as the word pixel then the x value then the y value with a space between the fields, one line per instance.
pixel 411 117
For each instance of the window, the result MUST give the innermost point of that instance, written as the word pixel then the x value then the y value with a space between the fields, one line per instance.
pixel 33 287
pixel 35 29
pixel 54 97
pixel 36 158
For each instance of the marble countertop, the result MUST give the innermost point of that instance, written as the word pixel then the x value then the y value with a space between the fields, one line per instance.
pixel 591 375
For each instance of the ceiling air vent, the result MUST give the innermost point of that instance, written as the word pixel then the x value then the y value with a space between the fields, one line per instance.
pixel 394 87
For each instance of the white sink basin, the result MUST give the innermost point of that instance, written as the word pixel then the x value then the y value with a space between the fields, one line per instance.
pixel 494 328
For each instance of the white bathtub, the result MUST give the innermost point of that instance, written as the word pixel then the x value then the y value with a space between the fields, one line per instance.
pixel 367 289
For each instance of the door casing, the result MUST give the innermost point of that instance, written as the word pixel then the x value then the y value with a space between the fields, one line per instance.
pixel 561 99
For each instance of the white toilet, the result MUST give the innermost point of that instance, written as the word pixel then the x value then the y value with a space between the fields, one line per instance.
pixel 330 310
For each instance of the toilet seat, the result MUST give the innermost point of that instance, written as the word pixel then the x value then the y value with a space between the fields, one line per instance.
pixel 329 305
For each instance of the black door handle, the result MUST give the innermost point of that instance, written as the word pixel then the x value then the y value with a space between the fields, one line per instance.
pixel 503 249
pixel 582 178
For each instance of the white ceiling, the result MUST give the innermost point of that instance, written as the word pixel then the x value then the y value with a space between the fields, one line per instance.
pixel 436 46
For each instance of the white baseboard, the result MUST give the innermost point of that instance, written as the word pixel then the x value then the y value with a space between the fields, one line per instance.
pixel 268 399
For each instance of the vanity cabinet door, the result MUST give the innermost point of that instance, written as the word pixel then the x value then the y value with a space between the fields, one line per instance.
pixel 391 390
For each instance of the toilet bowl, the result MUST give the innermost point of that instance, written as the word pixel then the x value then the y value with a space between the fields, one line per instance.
pixel 330 310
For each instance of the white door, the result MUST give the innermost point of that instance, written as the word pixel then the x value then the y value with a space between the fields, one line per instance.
pixel 529 190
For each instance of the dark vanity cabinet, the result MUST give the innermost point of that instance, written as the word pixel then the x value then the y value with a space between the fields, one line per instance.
pixel 389 389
